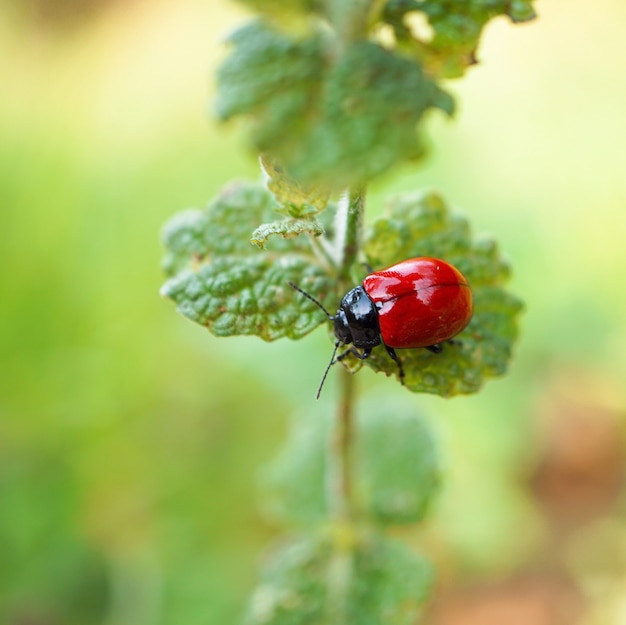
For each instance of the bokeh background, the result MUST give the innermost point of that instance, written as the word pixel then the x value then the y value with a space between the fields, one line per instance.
pixel 130 439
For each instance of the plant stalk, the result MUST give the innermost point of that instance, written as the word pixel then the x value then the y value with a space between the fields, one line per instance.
pixel 342 438
pixel 340 456
pixel 352 234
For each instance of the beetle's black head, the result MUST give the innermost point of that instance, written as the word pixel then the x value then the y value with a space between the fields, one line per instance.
pixel 356 321
pixel 342 331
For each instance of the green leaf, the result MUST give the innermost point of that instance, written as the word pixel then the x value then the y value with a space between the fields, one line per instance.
pixel 194 236
pixel 293 484
pixel 184 236
pixel 335 107
pixel 371 104
pixel 286 228
pixel 221 281
pixel 293 586
pixel 390 584
pixel 421 225
pixel 396 462
pixel 295 199
pixel 273 78
pixel 332 120
pixel 396 468
pixel 312 582
pixel 449 47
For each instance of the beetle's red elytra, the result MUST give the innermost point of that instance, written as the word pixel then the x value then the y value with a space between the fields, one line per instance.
pixel 420 302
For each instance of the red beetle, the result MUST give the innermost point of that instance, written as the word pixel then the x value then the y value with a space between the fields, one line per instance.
pixel 420 302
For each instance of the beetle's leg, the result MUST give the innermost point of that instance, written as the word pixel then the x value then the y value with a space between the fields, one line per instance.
pixel 355 352
pixel 435 349
pixel 366 354
pixel 392 354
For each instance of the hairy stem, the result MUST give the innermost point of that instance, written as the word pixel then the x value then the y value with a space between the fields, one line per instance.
pixel 345 439
pixel 340 570
pixel 341 491
pixel 340 452
pixel 342 439
pixel 352 234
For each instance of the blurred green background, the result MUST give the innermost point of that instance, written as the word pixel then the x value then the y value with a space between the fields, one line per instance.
pixel 130 439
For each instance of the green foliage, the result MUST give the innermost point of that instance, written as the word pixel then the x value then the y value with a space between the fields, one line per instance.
pixel 295 199
pixel 448 47
pixel 293 484
pixel 331 120
pixel 390 584
pixel 421 225
pixel 395 466
pixel 221 281
pixel 334 94
pixel 286 229
pixel 275 78
pixel 396 460
pixel 311 581
pixel 332 100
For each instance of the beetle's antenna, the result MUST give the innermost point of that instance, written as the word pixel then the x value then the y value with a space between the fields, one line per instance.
pixel 330 364
pixel 310 297
pixel 332 358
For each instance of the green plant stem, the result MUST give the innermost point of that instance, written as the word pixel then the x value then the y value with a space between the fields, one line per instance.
pixel 340 569
pixel 352 236
pixel 321 249
pixel 341 444
pixel 351 18
pixel 341 451
pixel 342 507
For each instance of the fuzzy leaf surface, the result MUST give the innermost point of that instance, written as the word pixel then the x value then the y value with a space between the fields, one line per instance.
pixel 396 467
pixel 446 48
pixel 367 117
pixel 221 281
pixel 273 79
pixel 311 582
pixel 331 120
pixel 287 229
pixel 421 225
